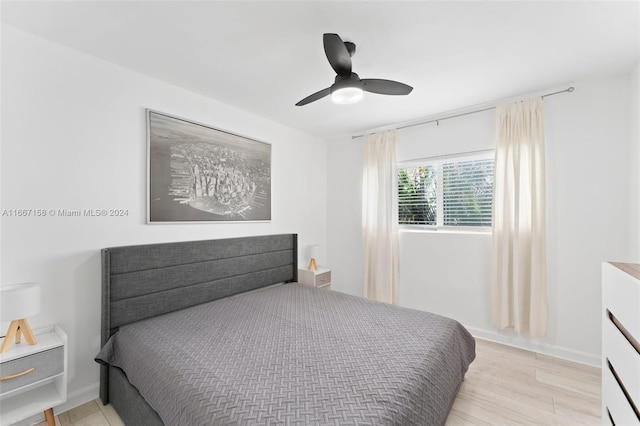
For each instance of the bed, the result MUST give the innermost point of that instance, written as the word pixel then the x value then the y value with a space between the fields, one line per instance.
pixel 218 332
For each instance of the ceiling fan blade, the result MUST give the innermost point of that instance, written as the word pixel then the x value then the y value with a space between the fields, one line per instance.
pixel 311 98
pixel 385 87
pixel 337 54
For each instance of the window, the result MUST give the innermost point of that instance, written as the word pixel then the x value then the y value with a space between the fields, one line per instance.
pixel 446 191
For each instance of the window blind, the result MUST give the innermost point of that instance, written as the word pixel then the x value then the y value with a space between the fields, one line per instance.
pixel 446 192
pixel 467 192
pixel 417 195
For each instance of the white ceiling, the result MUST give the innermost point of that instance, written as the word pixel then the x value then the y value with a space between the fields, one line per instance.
pixel 264 56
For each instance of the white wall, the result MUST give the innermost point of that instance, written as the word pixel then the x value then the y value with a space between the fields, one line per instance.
pixel 634 84
pixel 345 255
pixel 588 181
pixel 589 217
pixel 73 137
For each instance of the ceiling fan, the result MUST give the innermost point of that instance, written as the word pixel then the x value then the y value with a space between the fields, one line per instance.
pixel 348 87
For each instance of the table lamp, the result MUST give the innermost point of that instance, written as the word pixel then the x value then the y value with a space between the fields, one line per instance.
pixel 17 302
pixel 312 253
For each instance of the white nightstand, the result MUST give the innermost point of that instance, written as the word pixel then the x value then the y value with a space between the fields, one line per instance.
pixel 320 278
pixel 33 378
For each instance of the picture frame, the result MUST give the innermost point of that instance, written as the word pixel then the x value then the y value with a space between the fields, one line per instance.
pixel 197 173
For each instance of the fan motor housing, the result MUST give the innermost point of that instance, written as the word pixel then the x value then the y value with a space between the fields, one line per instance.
pixel 341 82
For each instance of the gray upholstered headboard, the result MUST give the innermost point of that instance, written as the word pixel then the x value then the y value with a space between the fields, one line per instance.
pixel 144 281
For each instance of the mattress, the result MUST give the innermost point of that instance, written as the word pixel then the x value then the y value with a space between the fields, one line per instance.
pixel 294 354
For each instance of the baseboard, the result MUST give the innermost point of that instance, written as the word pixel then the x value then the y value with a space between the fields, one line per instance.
pixel 539 347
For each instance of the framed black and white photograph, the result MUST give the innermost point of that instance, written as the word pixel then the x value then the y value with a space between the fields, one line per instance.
pixel 197 173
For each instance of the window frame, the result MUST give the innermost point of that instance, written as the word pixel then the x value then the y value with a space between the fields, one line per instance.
pixel 438 162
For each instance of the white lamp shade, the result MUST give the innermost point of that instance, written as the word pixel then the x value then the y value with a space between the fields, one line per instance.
pixel 311 251
pixel 19 301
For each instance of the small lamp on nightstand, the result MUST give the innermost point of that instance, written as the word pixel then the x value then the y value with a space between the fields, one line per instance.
pixel 312 254
pixel 17 302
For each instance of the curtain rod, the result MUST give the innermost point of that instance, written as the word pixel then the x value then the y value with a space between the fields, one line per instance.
pixel 437 120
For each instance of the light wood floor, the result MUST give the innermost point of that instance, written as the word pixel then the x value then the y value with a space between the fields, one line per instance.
pixel 92 413
pixel 504 386
pixel 508 386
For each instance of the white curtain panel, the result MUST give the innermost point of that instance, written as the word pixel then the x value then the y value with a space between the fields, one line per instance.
pixel 380 218
pixel 519 285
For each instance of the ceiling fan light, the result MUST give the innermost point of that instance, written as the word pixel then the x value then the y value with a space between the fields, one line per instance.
pixel 347 95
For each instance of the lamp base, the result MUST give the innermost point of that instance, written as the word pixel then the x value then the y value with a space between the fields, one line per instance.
pixel 312 264
pixel 17 329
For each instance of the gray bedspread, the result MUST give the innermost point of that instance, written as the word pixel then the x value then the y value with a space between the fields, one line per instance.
pixel 293 354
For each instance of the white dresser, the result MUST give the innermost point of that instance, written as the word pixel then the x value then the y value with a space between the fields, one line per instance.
pixel 621 344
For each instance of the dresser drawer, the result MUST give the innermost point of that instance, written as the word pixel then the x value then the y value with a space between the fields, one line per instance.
pixel 45 364
pixel 624 357
pixel 615 401
pixel 621 295
pixel 323 279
